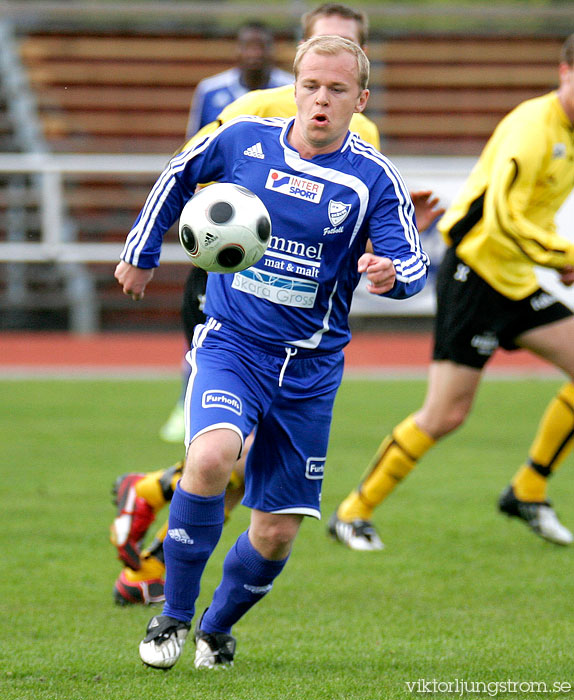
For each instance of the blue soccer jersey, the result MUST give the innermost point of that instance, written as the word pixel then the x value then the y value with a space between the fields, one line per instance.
pixel 323 211
pixel 216 92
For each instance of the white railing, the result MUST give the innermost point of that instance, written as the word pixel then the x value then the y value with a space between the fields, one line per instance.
pixel 53 245
pixel 444 175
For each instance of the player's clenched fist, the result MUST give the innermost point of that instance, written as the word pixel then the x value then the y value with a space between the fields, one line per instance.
pixel 133 279
pixel 380 273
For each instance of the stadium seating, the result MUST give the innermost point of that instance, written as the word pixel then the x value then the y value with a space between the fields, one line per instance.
pixel 445 95
pixel 431 95
pixel 124 93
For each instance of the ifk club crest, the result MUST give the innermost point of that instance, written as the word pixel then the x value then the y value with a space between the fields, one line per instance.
pixel 338 212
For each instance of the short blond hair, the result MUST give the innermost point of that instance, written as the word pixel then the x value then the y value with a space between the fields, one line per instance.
pixel 331 46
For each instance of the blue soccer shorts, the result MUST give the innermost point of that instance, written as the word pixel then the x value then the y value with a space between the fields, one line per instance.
pixel 285 395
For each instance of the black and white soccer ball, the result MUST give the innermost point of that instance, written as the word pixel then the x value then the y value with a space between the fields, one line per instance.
pixel 224 228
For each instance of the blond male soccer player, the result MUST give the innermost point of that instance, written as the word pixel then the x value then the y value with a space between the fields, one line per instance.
pixel 139 497
pixel 329 18
pixel 255 70
pixel 498 229
pixel 279 373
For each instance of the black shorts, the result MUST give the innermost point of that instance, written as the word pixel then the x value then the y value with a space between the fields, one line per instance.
pixel 473 319
pixel 193 300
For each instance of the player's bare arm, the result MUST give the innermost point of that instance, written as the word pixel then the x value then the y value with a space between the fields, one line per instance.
pixel 133 279
pixel 380 272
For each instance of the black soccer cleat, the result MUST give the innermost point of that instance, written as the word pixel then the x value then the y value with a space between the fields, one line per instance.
pixel 359 535
pixel 213 649
pixel 163 643
pixel 539 516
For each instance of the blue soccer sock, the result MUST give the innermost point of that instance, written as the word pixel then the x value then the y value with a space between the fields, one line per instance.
pixel 194 529
pixel 247 577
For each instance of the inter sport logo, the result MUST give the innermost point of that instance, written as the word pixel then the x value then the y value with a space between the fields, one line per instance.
pixel 294 186
pixel 278 181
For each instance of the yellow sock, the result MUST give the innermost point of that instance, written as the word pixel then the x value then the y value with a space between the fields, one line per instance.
pixel 396 456
pixel 529 485
pixel 151 568
pixel 157 487
pixel 553 441
pixel 157 538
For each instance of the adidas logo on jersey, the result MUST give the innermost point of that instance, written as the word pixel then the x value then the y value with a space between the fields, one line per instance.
pixel 255 151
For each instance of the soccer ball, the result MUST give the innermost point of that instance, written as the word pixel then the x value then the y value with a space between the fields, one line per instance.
pixel 224 228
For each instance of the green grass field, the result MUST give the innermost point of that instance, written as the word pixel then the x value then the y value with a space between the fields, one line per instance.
pixel 458 593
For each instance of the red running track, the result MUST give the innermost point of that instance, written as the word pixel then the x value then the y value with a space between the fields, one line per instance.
pixel 45 353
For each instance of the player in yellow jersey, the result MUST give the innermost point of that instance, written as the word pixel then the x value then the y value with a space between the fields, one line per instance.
pixel 498 229
pixel 139 497
pixel 280 102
